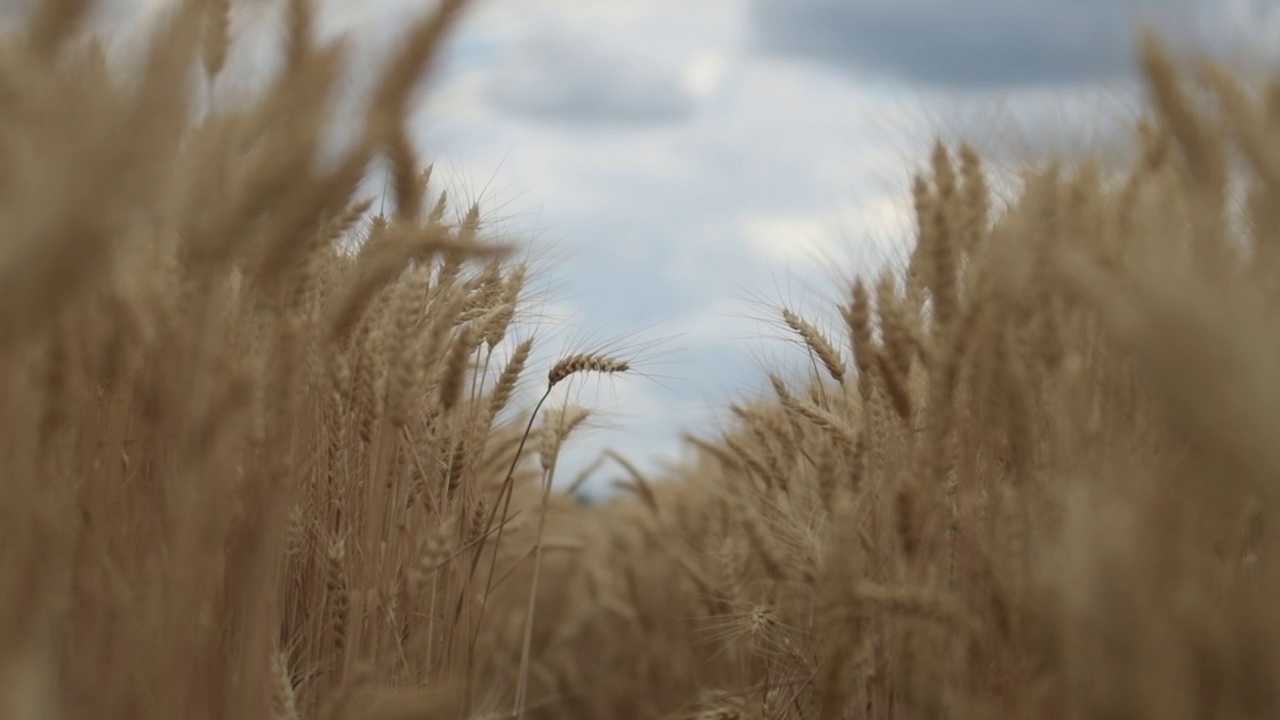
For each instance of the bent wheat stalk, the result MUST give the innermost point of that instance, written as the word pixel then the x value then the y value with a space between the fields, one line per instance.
pixel 562 370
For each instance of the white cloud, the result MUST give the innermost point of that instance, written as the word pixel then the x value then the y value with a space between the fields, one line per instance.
pixel 704 72
pixel 790 239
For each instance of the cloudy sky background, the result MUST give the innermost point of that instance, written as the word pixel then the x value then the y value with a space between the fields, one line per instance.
pixel 681 167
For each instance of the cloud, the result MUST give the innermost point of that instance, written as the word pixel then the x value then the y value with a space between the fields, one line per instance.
pixel 787 238
pixel 704 73
pixel 978 44
pixel 578 80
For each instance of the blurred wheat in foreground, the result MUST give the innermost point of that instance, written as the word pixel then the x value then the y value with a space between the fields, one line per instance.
pixel 260 459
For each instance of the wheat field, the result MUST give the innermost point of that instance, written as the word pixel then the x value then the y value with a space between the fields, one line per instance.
pixel 263 455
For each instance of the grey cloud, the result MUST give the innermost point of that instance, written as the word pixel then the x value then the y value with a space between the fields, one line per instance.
pixel 969 43
pixel 578 81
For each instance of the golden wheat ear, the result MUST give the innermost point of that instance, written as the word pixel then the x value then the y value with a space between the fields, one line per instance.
pixel 584 362
pixel 817 342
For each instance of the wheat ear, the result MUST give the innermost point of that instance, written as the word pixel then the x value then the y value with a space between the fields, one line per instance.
pixel 576 363
pixel 584 362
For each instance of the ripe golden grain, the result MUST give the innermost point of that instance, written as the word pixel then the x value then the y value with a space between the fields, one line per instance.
pixel 252 473
pixel 584 362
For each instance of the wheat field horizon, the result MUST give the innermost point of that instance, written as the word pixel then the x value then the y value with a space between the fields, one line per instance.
pixel 284 433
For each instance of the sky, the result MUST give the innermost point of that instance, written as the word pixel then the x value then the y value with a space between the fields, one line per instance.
pixel 681 168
